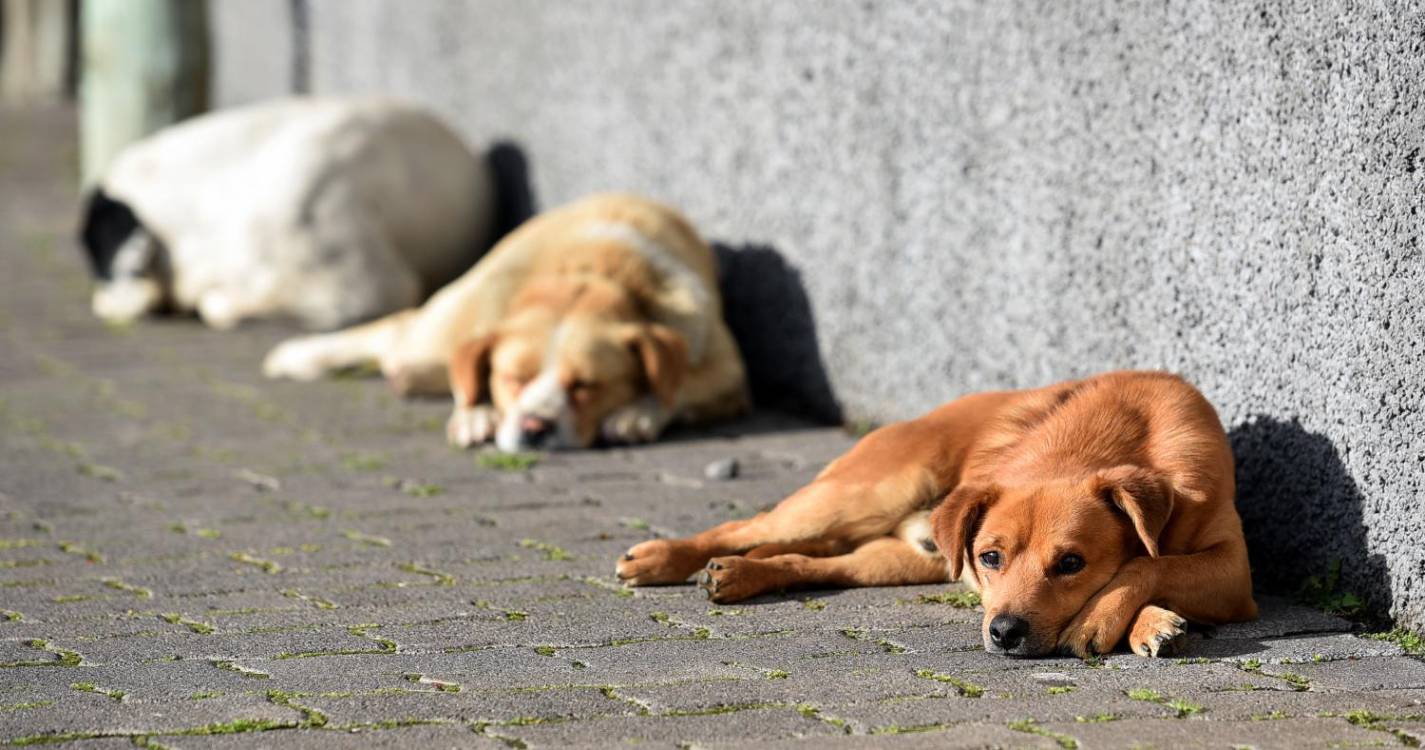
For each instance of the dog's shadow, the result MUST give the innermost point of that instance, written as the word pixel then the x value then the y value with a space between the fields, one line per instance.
pixel 1302 515
pixel 514 194
pixel 767 309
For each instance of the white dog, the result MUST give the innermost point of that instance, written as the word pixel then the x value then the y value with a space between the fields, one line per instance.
pixel 327 210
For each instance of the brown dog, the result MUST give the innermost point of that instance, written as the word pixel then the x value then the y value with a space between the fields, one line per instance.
pixel 1081 512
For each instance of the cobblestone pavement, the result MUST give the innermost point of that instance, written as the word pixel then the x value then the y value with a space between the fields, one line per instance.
pixel 192 557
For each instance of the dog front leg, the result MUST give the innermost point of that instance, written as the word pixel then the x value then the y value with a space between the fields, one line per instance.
pixel 887 561
pixel 1212 586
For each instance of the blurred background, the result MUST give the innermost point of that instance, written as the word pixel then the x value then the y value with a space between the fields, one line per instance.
pixel 914 200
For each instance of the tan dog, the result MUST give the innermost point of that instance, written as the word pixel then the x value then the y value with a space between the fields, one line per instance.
pixel 598 319
pixel 1081 512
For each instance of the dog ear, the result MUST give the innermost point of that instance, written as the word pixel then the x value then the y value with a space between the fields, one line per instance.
pixel 105 225
pixel 1142 495
pixel 469 370
pixel 664 355
pixel 957 518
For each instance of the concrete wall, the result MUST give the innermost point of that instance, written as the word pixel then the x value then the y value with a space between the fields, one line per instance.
pixel 950 196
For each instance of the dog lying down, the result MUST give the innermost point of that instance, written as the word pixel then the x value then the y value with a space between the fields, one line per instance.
pixel 600 319
pixel 1083 512
pixel 327 210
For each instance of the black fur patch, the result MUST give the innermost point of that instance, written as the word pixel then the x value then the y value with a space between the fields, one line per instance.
pixel 107 224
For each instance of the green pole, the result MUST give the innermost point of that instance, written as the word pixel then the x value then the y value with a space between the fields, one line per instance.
pixel 143 65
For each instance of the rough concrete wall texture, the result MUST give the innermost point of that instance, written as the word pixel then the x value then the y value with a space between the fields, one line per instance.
pixel 973 195
pixel 254 55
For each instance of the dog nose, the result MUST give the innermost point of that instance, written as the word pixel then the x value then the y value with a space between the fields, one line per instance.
pixel 1008 631
pixel 533 430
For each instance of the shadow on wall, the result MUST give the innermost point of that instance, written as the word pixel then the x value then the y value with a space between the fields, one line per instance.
pixel 514 196
pixel 766 307
pixel 1302 512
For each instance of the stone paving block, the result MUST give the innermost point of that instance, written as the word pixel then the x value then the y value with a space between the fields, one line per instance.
pixel 431 736
pixel 772 723
pixel 1382 673
pixel 1277 703
pixel 1195 733
pixel 455 703
pixel 95 713
pixel 914 738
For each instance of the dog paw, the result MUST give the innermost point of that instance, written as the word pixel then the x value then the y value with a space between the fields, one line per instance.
pixel 472 426
pixel 295 359
pixel 1157 632
pixel 639 422
pixel 731 579
pixel 657 561
pixel 219 311
pixel 1093 632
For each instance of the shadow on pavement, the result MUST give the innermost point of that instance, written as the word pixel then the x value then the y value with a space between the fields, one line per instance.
pixel 766 306
pixel 1302 513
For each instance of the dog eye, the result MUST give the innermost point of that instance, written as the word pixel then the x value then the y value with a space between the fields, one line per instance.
pixel 581 390
pixel 990 559
pixel 1070 564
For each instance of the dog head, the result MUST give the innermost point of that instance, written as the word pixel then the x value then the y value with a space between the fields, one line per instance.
pixel 569 355
pixel 126 260
pixel 1038 552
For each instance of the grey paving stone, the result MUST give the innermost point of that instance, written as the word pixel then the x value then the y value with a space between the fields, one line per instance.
pixel 1194 733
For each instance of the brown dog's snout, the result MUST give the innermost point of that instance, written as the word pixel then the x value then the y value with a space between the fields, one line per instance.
pixel 1007 632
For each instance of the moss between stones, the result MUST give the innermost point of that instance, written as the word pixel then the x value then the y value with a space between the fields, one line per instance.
pixel 89 687
pixel 138 591
pixel 1030 726
pixel 1181 708
pixel 230 666
pixel 66 658
pixel 550 551
pixel 369 540
pixel 315 601
pixel 25 706
pixel 267 566
pixel 174 618
pixel 1410 642
pixel 957 599
pixel 441 579
pixel 910 729
pixel 966 689
pixel 507 461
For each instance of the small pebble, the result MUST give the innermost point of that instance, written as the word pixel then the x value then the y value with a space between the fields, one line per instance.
pixel 721 470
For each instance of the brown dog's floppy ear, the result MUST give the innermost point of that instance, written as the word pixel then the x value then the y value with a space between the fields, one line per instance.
pixel 1142 495
pixel 957 518
pixel 664 355
pixel 469 370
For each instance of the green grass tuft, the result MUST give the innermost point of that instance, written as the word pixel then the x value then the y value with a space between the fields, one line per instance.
pixel 551 551
pixel 507 461
pixel 1030 726
pixel 1409 642
pixel 966 689
pixel 957 599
